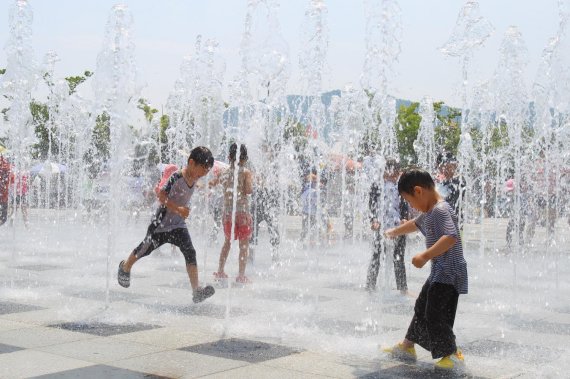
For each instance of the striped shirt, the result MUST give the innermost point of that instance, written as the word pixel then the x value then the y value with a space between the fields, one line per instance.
pixel 450 267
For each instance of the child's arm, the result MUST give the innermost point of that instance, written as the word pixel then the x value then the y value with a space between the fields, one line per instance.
pixel 442 246
pixel 405 228
pixel 169 204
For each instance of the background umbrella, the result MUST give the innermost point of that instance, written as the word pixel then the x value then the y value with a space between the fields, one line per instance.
pixel 48 169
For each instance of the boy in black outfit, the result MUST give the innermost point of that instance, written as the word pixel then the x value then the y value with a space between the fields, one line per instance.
pixel 434 312
pixel 168 224
pixel 450 185
pixel 383 215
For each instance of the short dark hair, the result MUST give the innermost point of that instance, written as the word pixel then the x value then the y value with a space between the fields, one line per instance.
pixel 445 157
pixel 242 152
pixel 392 165
pixel 412 178
pixel 203 156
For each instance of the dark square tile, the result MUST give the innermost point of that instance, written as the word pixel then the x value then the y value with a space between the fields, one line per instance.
pixel 39 267
pixel 98 372
pixel 102 329
pixel 420 370
pixel 242 350
pixel 7 307
pixel 8 348
pixel 204 309
pixel 511 351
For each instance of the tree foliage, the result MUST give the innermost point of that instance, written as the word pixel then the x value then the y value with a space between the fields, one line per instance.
pixel 74 81
pixel 408 124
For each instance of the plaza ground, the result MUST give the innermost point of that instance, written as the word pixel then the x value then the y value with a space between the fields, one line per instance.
pixel 63 315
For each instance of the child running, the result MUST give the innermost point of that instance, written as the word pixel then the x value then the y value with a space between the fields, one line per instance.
pixel 168 224
pixel 243 220
pixel 434 312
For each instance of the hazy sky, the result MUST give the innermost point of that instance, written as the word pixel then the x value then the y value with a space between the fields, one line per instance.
pixel 165 31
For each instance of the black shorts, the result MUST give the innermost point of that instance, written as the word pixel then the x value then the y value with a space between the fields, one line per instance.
pixel 177 237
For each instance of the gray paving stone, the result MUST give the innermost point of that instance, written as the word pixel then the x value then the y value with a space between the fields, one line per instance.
pixel 98 372
pixel 204 309
pixel 103 329
pixel 347 286
pixel 400 309
pixel 288 295
pixel 539 326
pixel 23 283
pixel 8 307
pixel 242 350
pixel 348 328
pixel 101 295
pixel 420 370
pixel 8 348
pixel 511 351
pixel 40 267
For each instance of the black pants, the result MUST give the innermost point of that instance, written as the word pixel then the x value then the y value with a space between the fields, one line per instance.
pixel 399 264
pixel 308 222
pixel 264 210
pixel 3 212
pixel 434 316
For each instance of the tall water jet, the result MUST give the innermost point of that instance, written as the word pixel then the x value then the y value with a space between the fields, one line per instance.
pixel 266 64
pixel 312 65
pixel 195 105
pixel 512 107
pixel 383 34
pixel 481 119
pixel 470 32
pixel 424 145
pixel 115 88
pixel 551 96
pixel 18 82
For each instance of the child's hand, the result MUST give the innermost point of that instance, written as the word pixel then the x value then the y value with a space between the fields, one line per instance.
pixel 390 233
pixel 419 260
pixel 375 225
pixel 184 211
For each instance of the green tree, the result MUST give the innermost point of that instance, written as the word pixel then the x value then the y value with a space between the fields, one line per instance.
pixel 147 109
pixel 407 132
pixel 295 132
pixel 448 130
pixel 44 131
pixel 102 136
pixel 74 81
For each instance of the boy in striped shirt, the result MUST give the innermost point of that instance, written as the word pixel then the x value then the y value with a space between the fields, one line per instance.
pixel 434 312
